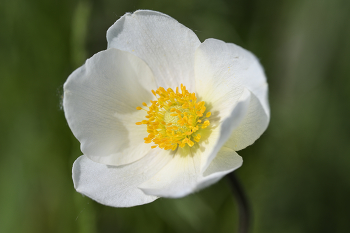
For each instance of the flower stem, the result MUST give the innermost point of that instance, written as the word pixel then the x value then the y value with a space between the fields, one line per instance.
pixel 242 202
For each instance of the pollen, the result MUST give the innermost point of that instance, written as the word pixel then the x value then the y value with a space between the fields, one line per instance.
pixel 174 119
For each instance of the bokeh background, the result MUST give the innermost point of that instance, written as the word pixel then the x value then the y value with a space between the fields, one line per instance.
pixel 297 175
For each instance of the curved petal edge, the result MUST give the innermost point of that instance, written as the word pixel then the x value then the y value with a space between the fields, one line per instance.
pixel 117 185
pixel 167 46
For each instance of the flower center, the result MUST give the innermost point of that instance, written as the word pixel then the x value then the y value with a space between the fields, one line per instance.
pixel 174 118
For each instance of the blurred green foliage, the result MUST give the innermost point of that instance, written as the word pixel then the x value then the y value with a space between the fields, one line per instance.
pixel 296 175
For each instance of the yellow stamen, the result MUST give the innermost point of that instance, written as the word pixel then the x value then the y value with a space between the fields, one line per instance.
pixel 173 118
pixel 205 124
pixel 197 138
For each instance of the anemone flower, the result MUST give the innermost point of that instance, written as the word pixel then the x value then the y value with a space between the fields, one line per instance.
pixel 160 114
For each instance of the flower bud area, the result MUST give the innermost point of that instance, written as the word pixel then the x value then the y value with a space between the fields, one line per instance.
pixel 174 119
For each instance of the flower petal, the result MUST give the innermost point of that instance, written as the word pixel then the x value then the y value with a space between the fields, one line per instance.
pixel 250 129
pixel 182 175
pixel 223 72
pixel 221 67
pixel 221 133
pixel 226 161
pixel 117 185
pixel 167 46
pixel 100 100
pixel 178 178
pixel 215 83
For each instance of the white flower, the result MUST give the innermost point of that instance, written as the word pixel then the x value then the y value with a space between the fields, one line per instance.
pixel 220 107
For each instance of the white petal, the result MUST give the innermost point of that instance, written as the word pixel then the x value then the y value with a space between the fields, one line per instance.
pixel 117 185
pixel 100 100
pixel 250 129
pixel 223 72
pixel 221 67
pixel 167 46
pixel 226 161
pixel 215 83
pixel 221 132
pixel 178 178
pixel 182 175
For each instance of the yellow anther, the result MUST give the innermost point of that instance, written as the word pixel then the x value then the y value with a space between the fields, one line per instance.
pixel 197 138
pixel 190 143
pixel 162 89
pixel 194 129
pixel 193 97
pixel 173 118
pixel 205 124
pixel 199 114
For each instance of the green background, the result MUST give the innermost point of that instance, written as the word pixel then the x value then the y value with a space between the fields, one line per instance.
pixel 296 175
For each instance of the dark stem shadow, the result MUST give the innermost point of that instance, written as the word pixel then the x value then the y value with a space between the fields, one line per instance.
pixel 244 212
